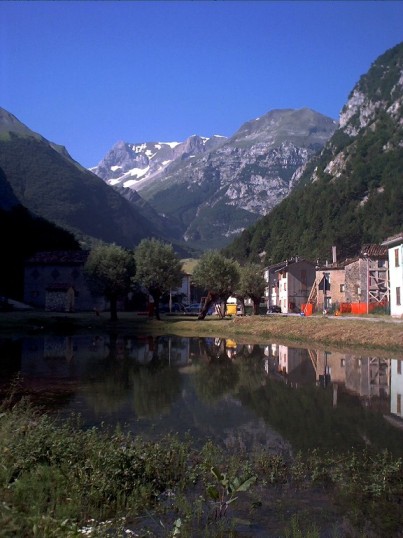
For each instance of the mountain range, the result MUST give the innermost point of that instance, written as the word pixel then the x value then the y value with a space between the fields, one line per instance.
pixel 210 189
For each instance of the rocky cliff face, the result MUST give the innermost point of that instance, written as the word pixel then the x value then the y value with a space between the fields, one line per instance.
pixel 378 93
pixel 214 188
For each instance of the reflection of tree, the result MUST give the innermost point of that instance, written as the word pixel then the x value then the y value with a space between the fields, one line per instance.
pixel 217 374
pixel 155 388
pixel 110 390
pixel 251 367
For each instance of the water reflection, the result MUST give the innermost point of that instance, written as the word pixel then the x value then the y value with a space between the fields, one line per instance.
pixel 283 398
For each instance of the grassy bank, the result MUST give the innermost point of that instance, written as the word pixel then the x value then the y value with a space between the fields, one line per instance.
pixel 362 333
pixel 60 481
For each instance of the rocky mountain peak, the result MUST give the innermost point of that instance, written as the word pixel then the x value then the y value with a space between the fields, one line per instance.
pixel 131 165
pixel 217 193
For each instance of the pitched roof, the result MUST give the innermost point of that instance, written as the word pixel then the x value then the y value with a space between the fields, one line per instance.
pixel 374 251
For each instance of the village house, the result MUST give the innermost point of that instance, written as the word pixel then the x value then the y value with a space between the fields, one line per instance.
pixel 394 245
pixel 329 287
pixel 54 281
pixel 356 285
pixel 289 284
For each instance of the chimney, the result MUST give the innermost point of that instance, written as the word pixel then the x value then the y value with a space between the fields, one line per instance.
pixel 334 255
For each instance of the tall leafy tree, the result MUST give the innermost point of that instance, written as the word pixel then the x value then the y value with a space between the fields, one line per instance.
pixel 157 268
pixel 109 271
pixel 252 284
pixel 219 276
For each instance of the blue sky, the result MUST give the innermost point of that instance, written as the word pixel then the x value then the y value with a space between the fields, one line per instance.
pixel 87 74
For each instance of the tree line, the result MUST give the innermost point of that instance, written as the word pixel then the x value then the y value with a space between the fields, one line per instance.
pixel 112 272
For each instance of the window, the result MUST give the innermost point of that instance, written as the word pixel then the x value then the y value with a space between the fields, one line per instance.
pixel 397 261
pixel 342 288
pixel 343 363
pixel 398 296
pixel 399 367
pixel 381 263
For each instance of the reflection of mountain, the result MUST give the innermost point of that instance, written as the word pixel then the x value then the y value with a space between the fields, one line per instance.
pixel 256 433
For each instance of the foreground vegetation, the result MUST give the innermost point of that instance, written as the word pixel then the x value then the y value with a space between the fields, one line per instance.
pixel 379 334
pixel 57 480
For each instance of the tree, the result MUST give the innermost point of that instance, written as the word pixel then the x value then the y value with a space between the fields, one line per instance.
pixel 109 270
pixel 252 284
pixel 218 275
pixel 158 269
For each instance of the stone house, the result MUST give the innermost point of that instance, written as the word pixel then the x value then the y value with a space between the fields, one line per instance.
pixel 54 281
pixel 394 245
pixel 359 283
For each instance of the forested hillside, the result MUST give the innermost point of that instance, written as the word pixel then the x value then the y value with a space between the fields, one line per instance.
pixel 23 234
pixel 352 193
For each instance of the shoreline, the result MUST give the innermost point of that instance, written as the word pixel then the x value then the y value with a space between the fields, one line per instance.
pixel 383 335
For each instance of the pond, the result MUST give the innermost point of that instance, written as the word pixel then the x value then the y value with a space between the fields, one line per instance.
pixel 286 399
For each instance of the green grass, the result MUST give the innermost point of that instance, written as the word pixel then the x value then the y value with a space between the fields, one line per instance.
pixel 57 479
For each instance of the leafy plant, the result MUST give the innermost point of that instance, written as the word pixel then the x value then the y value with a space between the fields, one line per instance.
pixel 225 490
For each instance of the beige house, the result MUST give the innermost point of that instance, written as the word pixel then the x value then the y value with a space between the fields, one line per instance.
pixel 293 280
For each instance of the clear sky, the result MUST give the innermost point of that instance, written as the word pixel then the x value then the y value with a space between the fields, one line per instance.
pixel 87 74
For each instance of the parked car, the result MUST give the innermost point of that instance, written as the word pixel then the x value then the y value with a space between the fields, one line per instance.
pixel 176 307
pixel 274 309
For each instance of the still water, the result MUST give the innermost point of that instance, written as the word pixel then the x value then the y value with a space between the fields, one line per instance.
pixel 283 398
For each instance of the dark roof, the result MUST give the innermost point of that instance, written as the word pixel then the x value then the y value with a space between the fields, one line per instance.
pixel 374 251
pixel 59 257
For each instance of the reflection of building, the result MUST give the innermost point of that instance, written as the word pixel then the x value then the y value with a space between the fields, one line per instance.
pixel 367 376
pixel 296 364
pixel 396 387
